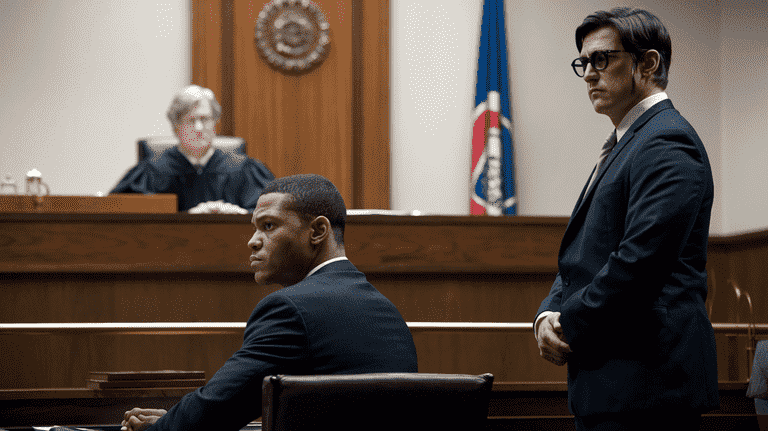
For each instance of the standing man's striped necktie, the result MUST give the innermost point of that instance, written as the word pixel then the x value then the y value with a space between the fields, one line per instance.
pixel 607 148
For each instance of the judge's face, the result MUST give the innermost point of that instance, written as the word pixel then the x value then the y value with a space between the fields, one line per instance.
pixel 613 90
pixel 196 129
pixel 281 251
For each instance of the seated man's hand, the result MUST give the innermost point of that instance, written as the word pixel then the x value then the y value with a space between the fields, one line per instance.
pixel 138 419
pixel 552 345
pixel 217 207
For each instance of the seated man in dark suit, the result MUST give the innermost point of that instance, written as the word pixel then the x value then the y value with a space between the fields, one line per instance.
pixel 205 179
pixel 328 319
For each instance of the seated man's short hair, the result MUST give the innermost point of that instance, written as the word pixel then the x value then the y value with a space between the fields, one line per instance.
pixel 312 196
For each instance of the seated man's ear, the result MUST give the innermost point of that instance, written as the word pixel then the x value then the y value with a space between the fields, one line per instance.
pixel 321 230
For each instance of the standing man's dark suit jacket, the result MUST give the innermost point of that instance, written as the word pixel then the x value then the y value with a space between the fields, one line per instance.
pixel 631 284
pixel 332 322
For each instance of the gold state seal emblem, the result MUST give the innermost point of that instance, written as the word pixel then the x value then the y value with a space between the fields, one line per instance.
pixel 292 35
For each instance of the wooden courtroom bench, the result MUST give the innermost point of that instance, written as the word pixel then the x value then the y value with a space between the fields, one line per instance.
pixel 76 268
pixel 515 405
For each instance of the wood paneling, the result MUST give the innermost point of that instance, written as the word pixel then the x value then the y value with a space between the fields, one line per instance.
pixel 193 268
pixel 181 267
pixel 54 355
pixel 509 357
pixel 207 57
pixel 296 123
pixel 206 297
pixel 64 360
pixel 464 245
pixel 370 103
pixel 218 243
pixel 738 260
pixel 160 203
pixel 99 297
pixel 468 297
pixel 124 243
pixel 304 123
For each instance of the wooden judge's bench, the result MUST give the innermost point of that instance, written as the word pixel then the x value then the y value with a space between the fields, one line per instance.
pixel 126 283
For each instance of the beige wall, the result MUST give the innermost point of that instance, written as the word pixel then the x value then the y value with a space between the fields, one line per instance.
pixel 83 79
pixel 556 133
pixel 744 121
pixel 80 80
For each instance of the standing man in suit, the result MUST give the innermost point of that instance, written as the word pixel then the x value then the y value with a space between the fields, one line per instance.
pixel 626 311
pixel 328 319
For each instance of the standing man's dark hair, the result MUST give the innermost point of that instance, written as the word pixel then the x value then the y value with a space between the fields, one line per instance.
pixel 311 196
pixel 626 309
pixel 639 31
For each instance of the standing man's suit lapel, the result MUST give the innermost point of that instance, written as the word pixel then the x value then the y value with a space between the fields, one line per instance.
pixel 582 205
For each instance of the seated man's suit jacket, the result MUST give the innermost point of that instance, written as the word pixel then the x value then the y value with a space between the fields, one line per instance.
pixel 332 322
pixel 632 284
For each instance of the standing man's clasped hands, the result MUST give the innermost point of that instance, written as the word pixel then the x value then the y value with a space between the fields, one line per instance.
pixel 552 345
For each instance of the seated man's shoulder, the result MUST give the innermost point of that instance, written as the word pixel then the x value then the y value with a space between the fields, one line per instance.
pixel 336 284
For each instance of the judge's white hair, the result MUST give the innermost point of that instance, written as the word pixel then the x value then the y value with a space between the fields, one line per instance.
pixel 186 99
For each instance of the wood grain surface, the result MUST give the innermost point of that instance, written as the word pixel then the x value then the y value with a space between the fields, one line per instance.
pixel 124 203
pixel 218 243
pixel 193 268
pixel 332 120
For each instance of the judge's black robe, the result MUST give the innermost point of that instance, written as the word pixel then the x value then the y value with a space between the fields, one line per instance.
pixel 233 178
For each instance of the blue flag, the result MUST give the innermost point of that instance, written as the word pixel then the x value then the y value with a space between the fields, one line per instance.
pixel 493 180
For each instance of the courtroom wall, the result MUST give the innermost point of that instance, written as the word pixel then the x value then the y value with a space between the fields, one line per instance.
pixel 744 70
pixel 82 80
pixel 719 55
pixel 717 80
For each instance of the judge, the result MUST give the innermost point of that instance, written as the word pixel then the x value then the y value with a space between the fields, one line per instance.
pixel 205 179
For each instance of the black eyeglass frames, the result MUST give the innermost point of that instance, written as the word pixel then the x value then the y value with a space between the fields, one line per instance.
pixel 598 59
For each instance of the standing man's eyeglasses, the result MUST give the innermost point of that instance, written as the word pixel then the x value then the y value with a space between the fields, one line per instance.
pixel 598 59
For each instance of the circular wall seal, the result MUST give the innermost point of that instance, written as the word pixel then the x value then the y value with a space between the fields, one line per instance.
pixel 292 35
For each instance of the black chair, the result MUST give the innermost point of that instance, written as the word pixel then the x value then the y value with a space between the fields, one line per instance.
pixel 385 401
pixel 153 147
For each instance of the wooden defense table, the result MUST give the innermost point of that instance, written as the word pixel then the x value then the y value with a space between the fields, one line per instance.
pixel 520 406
